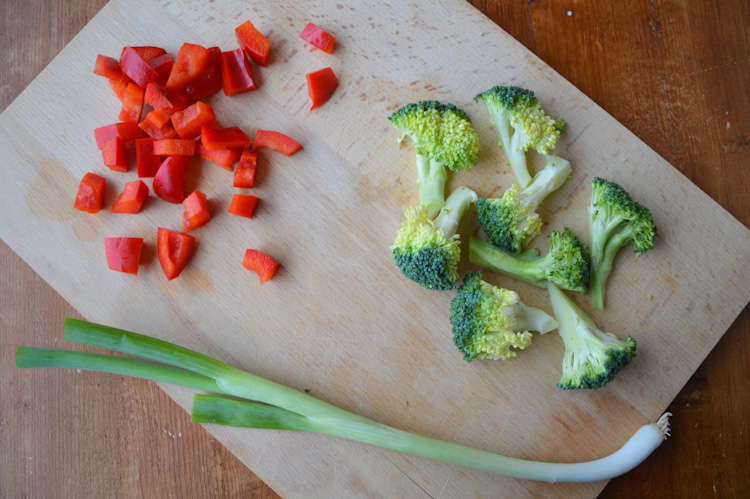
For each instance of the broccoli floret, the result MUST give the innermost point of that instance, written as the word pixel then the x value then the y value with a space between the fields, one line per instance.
pixel 615 220
pixel 489 321
pixel 427 251
pixel 442 136
pixel 592 357
pixel 517 108
pixel 511 222
pixel 566 264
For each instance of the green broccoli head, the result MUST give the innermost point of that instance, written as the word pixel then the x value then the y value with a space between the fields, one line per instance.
pixel 517 108
pixel 566 263
pixel 592 357
pixel 615 221
pixel 488 321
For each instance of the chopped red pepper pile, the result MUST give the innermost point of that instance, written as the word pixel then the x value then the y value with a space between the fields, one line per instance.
pixel 166 120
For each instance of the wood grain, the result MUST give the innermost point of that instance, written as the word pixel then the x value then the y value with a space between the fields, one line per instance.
pixel 719 410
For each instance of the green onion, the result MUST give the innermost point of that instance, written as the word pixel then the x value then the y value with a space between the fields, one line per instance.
pixel 274 406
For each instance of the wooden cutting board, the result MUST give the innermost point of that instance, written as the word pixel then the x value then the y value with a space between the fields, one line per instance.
pixel 351 327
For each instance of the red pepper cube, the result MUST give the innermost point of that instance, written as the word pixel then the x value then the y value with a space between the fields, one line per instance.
pixel 113 154
pixel 165 132
pixel 158 118
pixel 131 199
pixel 224 138
pixel 162 64
pixel 223 157
pixel 123 253
pixel 205 84
pixel 159 97
pixel 147 53
pixel 175 250
pixel 260 263
pixel 169 181
pixel 174 147
pixel 244 176
pixel 214 56
pixel 236 75
pixel 320 86
pixel 137 69
pixel 253 42
pixel 196 211
pixel 148 163
pixel 90 197
pixel 108 67
pixel 319 38
pixel 119 87
pixel 243 205
pixel 132 103
pixel 191 61
pixel 189 121
pixel 127 131
pixel 276 141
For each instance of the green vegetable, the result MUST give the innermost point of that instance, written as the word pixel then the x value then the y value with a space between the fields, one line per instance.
pixel 511 222
pixel 615 221
pixel 517 109
pixel 442 137
pixel 274 406
pixel 427 251
pixel 565 264
pixel 592 357
pixel 489 321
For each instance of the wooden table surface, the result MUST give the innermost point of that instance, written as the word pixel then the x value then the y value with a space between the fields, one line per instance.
pixel 674 72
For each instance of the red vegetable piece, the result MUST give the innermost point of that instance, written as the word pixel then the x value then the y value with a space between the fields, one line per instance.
pixel 189 121
pixel 243 205
pixel 159 97
pixel 90 197
pixel 174 147
pixel 223 157
pixel 131 199
pixel 158 118
pixel 253 42
pixel 148 162
pixel 196 211
pixel 165 132
pixel 244 176
pixel 137 69
pixel 119 87
pixel 169 182
pixel 147 53
pixel 162 64
pixel 260 263
pixel 108 67
pixel 236 75
pixel 175 250
pixel 113 154
pixel 319 38
pixel 205 84
pixel 276 141
pixel 127 131
pixel 224 138
pixel 320 86
pixel 192 60
pixel 214 56
pixel 132 104
pixel 123 253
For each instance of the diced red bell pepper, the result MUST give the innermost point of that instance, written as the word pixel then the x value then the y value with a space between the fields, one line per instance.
pixel 196 211
pixel 205 84
pixel 162 64
pixel 158 118
pixel 214 56
pixel 174 147
pixel 224 138
pixel 244 176
pixel 169 182
pixel 90 197
pixel 132 104
pixel 276 141
pixel 165 132
pixel 319 38
pixel 119 87
pixel 243 205
pixel 114 155
pixel 223 157
pixel 123 253
pixel 260 263
pixel 159 97
pixel 253 42
pixel 148 162
pixel 127 131
pixel 189 121
pixel 137 69
pixel 236 74
pixel 108 67
pixel 320 86
pixel 131 199
pixel 192 60
pixel 147 53
pixel 175 250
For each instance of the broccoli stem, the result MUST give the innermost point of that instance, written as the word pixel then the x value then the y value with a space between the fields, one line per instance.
pixel 455 208
pixel 488 256
pixel 533 319
pixel 601 266
pixel 431 178
pixel 516 157
pixel 549 179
